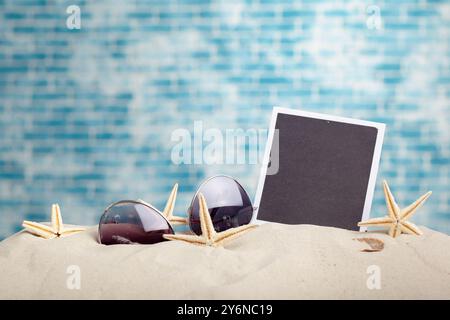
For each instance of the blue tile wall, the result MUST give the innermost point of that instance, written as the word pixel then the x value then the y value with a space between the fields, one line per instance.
pixel 86 115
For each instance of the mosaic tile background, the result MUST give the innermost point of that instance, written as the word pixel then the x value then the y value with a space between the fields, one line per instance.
pixel 86 115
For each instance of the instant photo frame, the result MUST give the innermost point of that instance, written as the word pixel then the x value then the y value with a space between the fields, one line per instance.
pixel 318 169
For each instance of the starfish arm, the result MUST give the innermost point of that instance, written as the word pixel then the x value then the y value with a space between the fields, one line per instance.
pixel 392 206
pixel 410 210
pixel 168 210
pixel 410 228
pixel 39 229
pixel 70 231
pixel 232 233
pixel 395 230
pixel 186 238
pixel 377 222
pixel 174 220
pixel 57 223
pixel 206 224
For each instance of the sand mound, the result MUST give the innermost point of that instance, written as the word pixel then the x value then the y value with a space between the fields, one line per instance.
pixel 271 262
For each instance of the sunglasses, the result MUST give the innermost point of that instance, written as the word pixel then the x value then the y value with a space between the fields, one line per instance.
pixel 136 221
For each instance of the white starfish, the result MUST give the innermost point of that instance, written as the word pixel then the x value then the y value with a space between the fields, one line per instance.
pixel 397 218
pixel 56 230
pixel 209 235
pixel 168 210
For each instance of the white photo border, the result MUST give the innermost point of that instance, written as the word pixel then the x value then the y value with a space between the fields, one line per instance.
pixel 375 160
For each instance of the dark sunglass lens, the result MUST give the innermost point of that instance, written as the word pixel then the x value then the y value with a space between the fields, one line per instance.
pixel 132 222
pixel 228 204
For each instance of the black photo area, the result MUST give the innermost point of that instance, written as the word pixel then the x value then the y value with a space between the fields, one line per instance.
pixel 323 175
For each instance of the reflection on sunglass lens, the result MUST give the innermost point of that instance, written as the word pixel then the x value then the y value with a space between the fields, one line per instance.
pixel 228 204
pixel 128 222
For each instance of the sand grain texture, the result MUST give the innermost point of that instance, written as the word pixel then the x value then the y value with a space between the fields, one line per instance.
pixel 271 262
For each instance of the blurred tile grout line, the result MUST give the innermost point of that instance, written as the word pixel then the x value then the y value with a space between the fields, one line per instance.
pixel 87 110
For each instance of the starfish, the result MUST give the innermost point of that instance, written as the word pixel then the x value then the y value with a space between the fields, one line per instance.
pixel 168 210
pixel 56 230
pixel 209 236
pixel 397 218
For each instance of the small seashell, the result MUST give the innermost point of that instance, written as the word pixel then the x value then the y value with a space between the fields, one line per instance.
pixel 375 245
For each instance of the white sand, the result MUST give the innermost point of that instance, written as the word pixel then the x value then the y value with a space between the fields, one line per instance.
pixel 272 261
